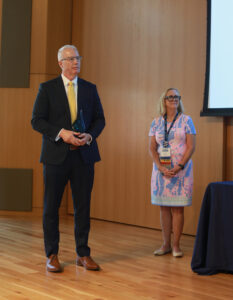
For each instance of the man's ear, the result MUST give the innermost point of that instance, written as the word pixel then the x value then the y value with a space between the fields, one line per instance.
pixel 60 64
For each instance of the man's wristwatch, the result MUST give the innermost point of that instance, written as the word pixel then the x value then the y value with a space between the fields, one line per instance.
pixel 181 166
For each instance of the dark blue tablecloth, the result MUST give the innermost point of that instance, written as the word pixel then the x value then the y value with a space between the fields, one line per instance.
pixel 213 249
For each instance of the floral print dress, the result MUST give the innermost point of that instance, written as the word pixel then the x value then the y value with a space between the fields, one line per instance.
pixel 176 191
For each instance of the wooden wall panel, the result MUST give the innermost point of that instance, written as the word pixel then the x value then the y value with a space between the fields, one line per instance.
pixel 59 28
pixel 20 144
pixel 39 37
pixel 0 26
pixel 15 37
pixel 52 21
pixel 133 50
pixel 18 149
pixel 229 149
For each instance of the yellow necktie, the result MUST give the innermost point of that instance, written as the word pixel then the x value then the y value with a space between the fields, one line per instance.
pixel 72 101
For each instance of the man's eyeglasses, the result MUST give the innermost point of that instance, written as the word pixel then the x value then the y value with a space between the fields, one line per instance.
pixel 172 98
pixel 72 58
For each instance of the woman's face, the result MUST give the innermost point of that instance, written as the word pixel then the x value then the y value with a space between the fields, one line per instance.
pixel 172 99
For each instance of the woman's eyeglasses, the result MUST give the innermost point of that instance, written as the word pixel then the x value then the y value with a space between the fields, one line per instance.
pixel 172 98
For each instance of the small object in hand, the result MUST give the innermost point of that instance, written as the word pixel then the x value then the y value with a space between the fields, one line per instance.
pixel 77 136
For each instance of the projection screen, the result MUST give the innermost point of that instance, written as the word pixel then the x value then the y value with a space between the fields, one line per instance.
pixel 218 97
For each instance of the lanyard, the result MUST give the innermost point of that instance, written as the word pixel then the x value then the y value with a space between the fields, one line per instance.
pixel 166 132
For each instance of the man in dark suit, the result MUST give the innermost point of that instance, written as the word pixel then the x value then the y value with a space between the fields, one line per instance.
pixel 61 105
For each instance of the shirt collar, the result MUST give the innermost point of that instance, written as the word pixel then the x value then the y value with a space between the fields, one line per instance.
pixel 66 80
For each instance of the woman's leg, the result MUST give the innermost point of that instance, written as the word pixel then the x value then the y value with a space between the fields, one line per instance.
pixel 177 224
pixel 166 223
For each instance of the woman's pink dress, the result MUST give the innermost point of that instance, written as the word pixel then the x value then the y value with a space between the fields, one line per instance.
pixel 176 191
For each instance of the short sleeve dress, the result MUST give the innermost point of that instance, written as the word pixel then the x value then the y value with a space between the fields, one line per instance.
pixel 176 191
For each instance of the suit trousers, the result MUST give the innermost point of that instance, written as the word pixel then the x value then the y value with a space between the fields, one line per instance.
pixel 81 178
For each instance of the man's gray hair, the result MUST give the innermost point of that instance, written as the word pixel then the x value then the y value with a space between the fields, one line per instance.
pixel 59 53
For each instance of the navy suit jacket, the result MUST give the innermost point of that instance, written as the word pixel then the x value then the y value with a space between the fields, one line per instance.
pixel 51 113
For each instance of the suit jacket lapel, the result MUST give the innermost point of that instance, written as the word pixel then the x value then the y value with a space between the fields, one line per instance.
pixel 80 94
pixel 63 97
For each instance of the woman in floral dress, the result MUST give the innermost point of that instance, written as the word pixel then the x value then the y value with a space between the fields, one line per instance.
pixel 171 145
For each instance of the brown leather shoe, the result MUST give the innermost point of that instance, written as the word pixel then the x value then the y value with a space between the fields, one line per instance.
pixel 53 264
pixel 88 263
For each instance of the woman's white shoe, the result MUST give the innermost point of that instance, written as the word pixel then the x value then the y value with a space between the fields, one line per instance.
pixel 177 254
pixel 162 251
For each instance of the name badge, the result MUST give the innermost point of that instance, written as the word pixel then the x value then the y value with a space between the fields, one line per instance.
pixel 165 157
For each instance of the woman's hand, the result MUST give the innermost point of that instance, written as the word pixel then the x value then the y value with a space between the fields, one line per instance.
pixel 166 172
pixel 176 169
pixel 170 172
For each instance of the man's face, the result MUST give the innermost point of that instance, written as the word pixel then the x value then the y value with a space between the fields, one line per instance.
pixel 70 63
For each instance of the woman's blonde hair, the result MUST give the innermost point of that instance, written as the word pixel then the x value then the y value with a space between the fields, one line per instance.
pixel 162 107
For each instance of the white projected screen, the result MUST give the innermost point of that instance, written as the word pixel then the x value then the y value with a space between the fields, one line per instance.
pixel 221 55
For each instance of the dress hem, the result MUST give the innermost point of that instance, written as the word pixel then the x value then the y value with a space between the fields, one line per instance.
pixel 171 201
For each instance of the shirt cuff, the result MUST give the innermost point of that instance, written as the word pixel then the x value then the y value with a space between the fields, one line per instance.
pixel 89 142
pixel 58 136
